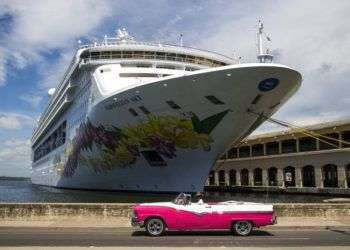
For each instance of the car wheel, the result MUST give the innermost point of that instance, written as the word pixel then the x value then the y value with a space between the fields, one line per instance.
pixel 242 228
pixel 155 227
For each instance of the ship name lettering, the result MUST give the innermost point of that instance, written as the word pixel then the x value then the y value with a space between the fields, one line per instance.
pixel 123 102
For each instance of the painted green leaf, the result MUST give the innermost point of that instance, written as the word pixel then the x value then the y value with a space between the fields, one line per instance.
pixel 197 126
pixel 207 125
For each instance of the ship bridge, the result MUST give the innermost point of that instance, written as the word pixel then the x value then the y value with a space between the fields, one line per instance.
pixel 126 50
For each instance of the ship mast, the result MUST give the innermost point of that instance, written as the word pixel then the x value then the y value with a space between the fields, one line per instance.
pixel 263 57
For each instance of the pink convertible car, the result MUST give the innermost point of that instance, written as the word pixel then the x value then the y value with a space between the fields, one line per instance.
pixel 183 215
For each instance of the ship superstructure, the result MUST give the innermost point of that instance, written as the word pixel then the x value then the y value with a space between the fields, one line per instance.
pixel 129 115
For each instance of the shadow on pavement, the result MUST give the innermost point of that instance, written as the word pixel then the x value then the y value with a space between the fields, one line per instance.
pixel 204 233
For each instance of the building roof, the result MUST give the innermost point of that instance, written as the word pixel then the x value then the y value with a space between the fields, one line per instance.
pixel 314 127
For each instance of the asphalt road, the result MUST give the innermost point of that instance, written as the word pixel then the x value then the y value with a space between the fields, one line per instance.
pixel 127 237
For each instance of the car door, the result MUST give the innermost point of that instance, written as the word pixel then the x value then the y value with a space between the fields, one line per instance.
pixel 197 216
pixel 220 219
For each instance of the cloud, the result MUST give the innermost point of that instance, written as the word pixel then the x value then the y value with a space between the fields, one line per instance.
pixel 32 99
pixel 50 76
pixel 40 26
pixel 310 36
pixel 14 121
pixel 15 157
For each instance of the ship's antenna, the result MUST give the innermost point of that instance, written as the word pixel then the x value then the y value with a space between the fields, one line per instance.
pixel 105 40
pixel 181 40
pixel 263 57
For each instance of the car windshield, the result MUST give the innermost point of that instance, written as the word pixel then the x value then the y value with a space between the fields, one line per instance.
pixel 183 199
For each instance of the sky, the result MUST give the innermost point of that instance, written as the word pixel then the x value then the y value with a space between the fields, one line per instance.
pixel 37 41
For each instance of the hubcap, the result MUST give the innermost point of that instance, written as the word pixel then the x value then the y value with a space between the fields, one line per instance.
pixel 243 227
pixel 155 226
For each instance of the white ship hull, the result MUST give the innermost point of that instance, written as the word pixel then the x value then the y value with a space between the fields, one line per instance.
pixel 187 166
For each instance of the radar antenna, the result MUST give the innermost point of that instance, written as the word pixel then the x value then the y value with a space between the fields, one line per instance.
pixel 263 57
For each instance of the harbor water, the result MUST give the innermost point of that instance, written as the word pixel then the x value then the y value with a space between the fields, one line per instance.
pixel 22 190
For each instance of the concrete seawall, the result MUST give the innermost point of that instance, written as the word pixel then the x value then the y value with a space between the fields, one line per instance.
pixel 118 215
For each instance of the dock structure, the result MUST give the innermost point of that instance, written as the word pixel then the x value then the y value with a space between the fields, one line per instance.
pixel 289 160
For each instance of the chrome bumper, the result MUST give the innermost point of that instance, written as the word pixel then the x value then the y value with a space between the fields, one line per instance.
pixel 136 223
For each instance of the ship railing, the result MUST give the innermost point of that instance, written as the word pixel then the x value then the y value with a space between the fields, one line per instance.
pixel 116 41
pixel 56 94
pixel 195 60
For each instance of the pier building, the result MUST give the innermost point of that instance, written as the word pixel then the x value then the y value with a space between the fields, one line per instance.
pixel 295 160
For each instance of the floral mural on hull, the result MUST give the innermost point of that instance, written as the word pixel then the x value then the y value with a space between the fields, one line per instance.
pixel 121 147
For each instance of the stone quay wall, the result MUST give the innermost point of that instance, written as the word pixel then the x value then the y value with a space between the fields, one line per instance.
pixel 117 215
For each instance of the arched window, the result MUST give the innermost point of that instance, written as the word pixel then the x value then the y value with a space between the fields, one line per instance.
pixel 289 176
pixel 232 177
pixel 272 173
pixel 257 177
pixel 211 178
pixel 244 177
pixel 222 178
pixel 308 176
pixel 330 175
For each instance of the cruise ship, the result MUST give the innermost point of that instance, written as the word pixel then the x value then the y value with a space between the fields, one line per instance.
pixel 151 117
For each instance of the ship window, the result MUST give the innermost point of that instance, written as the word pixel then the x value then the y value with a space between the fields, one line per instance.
pixel 143 65
pixel 116 54
pixel 95 55
pixel 152 55
pixel 56 139
pixel 149 54
pixel 214 100
pixel 173 105
pixel 153 158
pixel 160 55
pixel 133 112
pixel 138 55
pixel 138 75
pixel 105 54
pixel 165 67
pixel 190 69
pixel 144 110
pixel 127 54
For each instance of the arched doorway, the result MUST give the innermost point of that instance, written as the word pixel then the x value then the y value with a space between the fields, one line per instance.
pixel 257 177
pixel 289 176
pixel 222 178
pixel 272 174
pixel 308 176
pixel 232 177
pixel 330 175
pixel 211 178
pixel 244 177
